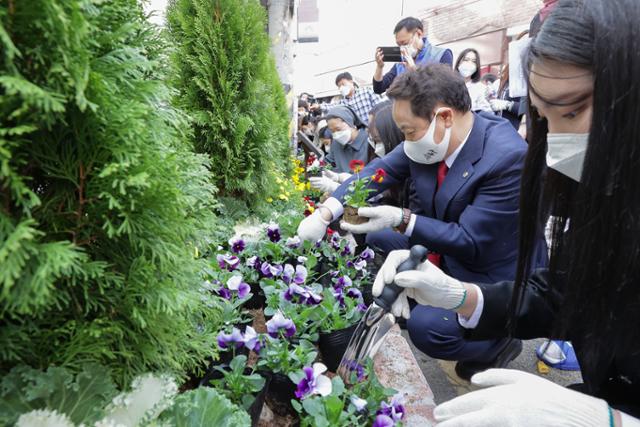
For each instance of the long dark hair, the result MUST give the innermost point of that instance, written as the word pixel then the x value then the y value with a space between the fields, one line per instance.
pixel 595 255
pixel 382 123
pixel 475 77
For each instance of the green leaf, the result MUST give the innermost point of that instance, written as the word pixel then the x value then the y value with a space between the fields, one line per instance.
pixel 333 405
pixel 204 406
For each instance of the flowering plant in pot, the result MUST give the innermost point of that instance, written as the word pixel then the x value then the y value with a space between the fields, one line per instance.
pixel 365 403
pixel 341 309
pixel 242 385
pixel 359 192
pixel 282 354
pixel 315 166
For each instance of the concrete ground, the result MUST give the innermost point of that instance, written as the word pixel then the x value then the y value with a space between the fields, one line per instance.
pixel 446 385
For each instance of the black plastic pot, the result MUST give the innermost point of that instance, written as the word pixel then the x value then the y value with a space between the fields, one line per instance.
pixel 281 391
pixel 258 299
pixel 333 345
pixel 256 407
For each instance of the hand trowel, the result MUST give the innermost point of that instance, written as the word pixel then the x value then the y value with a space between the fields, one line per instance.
pixel 377 320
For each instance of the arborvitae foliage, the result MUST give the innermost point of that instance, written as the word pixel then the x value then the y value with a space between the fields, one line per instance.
pixel 227 81
pixel 102 201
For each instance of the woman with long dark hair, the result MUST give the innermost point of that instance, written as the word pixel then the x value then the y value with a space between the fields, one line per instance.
pixel 582 171
pixel 468 65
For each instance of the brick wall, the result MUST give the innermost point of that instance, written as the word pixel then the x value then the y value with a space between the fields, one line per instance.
pixel 460 19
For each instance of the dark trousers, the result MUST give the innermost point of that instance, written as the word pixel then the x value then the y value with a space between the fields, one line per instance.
pixel 435 331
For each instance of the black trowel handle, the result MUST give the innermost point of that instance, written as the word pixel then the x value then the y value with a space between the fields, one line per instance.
pixel 391 291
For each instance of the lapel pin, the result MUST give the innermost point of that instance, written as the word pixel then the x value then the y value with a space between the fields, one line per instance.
pixel 465 174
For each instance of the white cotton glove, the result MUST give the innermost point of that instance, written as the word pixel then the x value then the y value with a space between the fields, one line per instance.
pixel 500 104
pixel 513 398
pixel 323 184
pixel 380 217
pixel 336 177
pixel 313 227
pixel 428 285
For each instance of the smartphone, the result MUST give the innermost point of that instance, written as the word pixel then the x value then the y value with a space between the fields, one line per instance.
pixel 391 53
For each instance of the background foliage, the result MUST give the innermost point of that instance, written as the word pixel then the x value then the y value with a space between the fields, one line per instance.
pixel 102 200
pixel 227 82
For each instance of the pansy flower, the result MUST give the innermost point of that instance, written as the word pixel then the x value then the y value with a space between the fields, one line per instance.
pixel 359 403
pixel 237 245
pixel 395 410
pixel 269 270
pixel 378 177
pixel 273 232
pixel 299 275
pixel 280 323
pixel 383 421
pixel 367 254
pixel 343 282
pixel 228 262
pixel 313 382
pixel 356 165
pixel 252 340
pixel 232 340
pixel 293 242
pixel 235 284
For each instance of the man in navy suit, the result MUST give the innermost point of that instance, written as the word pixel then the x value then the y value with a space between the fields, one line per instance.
pixel 466 167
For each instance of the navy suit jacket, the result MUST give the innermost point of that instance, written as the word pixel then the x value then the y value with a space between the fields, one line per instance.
pixel 472 220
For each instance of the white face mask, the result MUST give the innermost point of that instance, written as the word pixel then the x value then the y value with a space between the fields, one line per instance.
pixel 426 150
pixel 565 153
pixel 345 90
pixel 380 150
pixel 342 137
pixel 466 69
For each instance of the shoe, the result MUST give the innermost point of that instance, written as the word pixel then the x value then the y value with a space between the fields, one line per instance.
pixel 559 355
pixel 466 370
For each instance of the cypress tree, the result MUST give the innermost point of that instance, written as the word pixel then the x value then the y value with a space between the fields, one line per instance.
pixel 102 200
pixel 227 82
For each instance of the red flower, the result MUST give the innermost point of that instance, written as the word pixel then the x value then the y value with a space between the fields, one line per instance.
pixel 306 198
pixel 356 165
pixel 379 176
pixel 307 212
pixel 330 232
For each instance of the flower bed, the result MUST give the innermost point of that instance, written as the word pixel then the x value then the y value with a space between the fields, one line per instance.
pixel 311 297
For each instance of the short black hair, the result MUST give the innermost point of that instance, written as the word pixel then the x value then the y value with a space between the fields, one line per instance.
pixel 410 24
pixel 303 104
pixel 489 77
pixel 346 75
pixel 475 77
pixel 427 86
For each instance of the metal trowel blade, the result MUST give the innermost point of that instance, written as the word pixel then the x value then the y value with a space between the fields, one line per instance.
pixel 366 339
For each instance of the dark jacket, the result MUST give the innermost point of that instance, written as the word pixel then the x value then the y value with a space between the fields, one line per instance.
pixel 541 305
pixel 472 220
pixel 428 55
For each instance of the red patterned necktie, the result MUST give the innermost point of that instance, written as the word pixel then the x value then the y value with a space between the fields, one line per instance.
pixel 433 257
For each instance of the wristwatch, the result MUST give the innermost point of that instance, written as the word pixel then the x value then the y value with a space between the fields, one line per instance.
pixel 406 218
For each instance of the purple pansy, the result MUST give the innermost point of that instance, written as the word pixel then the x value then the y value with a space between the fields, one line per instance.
pixel 224 292
pixel 252 339
pixel 228 262
pixel 313 382
pixel 354 366
pixel 383 421
pixel 269 270
pixel 354 293
pixel 367 254
pixel 346 251
pixel 293 242
pixel 343 282
pixel 237 245
pixel 234 339
pixel 300 294
pixel 280 323
pixel 339 296
pixel 359 265
pixel 395 409
pixel 299 275
pixel 273 232
pixel 235 284
pixel 362 307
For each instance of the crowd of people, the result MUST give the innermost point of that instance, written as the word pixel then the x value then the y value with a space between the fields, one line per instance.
pixel 476 176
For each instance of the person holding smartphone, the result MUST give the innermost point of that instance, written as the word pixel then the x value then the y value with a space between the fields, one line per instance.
pixel 582 170
pixel 416 50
